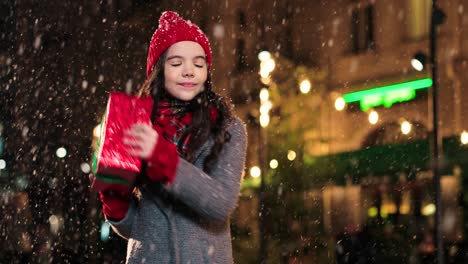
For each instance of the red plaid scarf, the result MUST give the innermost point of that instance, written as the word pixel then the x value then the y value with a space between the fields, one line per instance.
pixel 172 119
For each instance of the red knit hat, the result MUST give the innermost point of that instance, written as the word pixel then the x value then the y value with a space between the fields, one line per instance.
pixel 172 29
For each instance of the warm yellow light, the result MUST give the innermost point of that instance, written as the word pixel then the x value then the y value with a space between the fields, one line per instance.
pixel 273 164
pixel 417 65
pixel 405 203
pixel 264 55
pixel 464 137
pixel 255 172
pixel 406 127
pixel 305 86
pixel 291 155
pixel 266 67
pixel 429 209
pixel 269 64
pixel 265 107
pixel 266 80
pixel 97 131
pixel 383 214
pixel 372 212
pixel 373 117
pixel 264 120
pixel 388 208
pixel 264 73
pixel 264 95
pixel 340 103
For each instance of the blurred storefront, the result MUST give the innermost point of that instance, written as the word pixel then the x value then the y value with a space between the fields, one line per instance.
pixel 374 204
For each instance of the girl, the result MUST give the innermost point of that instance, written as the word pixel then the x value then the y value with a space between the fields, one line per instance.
pixel 193 153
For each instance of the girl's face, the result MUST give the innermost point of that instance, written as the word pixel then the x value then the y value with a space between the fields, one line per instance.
pixel 185 70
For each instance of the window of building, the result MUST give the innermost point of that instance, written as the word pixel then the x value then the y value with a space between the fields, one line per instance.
pixel 362 28
pixel 241 64
pixel 418 18
pixel 241 18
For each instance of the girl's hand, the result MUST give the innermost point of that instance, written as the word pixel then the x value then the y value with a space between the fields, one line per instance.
pixel 141 140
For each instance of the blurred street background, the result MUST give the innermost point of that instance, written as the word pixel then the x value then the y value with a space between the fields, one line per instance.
pixel 355 111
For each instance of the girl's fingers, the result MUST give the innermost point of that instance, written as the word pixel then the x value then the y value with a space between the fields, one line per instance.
pixel 134 152
pixel 142 127
pixel 140 153
pixel 134 137
pixel 140 139
pixel 137 143
pixel 140 150
pixel 140 134
pixel 134 147
pixel 130 142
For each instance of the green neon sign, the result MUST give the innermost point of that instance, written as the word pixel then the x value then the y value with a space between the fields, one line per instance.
pixel 387 95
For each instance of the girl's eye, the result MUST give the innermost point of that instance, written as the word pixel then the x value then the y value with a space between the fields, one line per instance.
pixel 175 64
pixel 199 65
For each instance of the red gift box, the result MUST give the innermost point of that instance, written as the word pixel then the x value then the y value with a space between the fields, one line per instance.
pixel 112 164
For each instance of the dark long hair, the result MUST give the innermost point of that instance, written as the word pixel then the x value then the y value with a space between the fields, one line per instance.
pixel 202 125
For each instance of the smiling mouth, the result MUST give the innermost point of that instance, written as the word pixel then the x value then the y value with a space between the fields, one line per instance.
pixel 188 85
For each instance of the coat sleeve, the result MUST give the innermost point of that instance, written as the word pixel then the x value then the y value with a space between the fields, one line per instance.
pixel 124 227
pixel 214 195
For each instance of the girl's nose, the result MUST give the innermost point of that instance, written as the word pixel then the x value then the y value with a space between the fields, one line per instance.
pixel 188 71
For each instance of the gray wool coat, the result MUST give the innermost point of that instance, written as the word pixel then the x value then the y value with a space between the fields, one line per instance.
pixel 188 221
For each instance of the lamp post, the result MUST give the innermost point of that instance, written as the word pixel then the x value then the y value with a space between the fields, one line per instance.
pixel 437 18
pixel 267 65
pixel 419 59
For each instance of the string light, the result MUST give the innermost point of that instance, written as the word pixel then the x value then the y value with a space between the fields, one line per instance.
pixel 464 137
pixel 264 95
pixel 264 55
pixel 305 86
pixel 405 127
pixel 61 152
pixel 255 172
pixel 373 117
pixel 291 155
pixel 273 164
pixel 340 103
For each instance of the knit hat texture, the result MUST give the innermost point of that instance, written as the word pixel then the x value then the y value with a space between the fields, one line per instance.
pixel 172 29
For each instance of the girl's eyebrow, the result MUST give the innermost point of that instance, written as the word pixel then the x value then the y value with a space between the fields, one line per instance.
pixel 200 57
pixel 180 57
